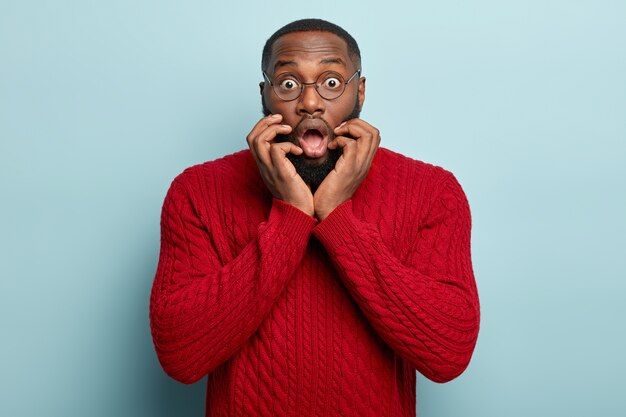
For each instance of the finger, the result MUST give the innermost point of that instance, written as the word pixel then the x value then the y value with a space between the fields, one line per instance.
pixel 259 127
pixel 339 142
pixel 348 147
pixel 360 122
pixel 353 127
pixel 359 143
pixel 261 144
pixel 263 124
pixel 358 129
pixel 278 152
pixel 270 133
pixel 358 132
pixel 367 135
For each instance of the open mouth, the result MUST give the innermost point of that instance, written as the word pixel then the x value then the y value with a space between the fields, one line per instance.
pixel 312 137
pixel 313 143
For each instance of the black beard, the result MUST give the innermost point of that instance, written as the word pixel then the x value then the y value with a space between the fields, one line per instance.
pixel 313 175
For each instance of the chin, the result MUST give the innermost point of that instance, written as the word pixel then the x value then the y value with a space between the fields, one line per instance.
pixel 315 162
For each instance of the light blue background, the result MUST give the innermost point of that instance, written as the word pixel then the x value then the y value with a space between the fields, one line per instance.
pixel 103 103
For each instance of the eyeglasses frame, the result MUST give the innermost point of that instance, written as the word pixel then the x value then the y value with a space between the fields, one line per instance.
pixel 315 84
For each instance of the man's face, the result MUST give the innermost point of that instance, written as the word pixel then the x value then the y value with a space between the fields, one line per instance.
pixel 306 55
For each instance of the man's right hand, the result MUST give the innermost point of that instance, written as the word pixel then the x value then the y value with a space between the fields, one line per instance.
pixel 277 171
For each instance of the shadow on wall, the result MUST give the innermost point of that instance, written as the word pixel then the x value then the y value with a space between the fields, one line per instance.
pixel 145 389
pixel 166 396
pixel 176 399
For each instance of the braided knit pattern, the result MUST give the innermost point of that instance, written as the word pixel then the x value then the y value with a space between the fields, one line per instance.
pixel 289 316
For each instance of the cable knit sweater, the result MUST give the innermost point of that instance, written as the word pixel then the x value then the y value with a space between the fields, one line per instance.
pixel 289 316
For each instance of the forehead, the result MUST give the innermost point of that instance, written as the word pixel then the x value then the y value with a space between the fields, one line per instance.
pixel 298 48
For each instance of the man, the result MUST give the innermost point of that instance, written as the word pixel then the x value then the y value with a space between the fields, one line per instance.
pixel 315 272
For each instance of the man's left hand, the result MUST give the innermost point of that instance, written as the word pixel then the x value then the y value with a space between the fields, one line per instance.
pixel 359 141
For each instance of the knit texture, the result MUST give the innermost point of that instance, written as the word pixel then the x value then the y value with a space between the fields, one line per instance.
pixel 289 316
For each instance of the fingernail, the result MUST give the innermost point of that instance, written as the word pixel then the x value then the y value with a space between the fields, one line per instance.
pixel 340 125
pixel 275 116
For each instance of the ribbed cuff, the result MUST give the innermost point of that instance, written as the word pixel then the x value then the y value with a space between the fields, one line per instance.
pixel 289 220
pixel 336 226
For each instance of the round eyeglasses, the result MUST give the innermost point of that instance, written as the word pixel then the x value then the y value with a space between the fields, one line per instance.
pixel 329 85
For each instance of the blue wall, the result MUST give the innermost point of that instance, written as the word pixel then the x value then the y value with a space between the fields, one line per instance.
pixel 103 103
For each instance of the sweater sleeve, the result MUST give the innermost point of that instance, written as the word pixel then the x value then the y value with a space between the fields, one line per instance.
pixel 202 312
pixel 426 310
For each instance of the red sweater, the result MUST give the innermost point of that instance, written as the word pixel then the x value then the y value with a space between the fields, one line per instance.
pixel 289 316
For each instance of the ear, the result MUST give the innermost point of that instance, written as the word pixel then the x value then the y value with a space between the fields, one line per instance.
pixel 361 91
pixel 261 87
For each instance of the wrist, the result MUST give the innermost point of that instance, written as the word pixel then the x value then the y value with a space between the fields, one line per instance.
pixel 305 208
pixel 321 216
pixel 323 212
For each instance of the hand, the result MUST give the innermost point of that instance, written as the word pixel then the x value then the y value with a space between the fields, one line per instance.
pixel 278 173
pixel 359 146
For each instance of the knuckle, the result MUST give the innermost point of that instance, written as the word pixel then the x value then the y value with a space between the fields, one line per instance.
pixel 275 150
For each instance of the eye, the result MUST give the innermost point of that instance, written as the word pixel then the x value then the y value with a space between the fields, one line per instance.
pixel 288 84
pixel 332 83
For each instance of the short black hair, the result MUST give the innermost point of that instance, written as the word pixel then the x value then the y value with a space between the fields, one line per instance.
pixel 311 25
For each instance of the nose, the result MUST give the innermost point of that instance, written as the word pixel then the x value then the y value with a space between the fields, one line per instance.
pixel 310 102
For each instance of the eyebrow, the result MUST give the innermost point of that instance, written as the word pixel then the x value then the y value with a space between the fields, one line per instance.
pixel 287 63
pixel 283 63
pixel 333 61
